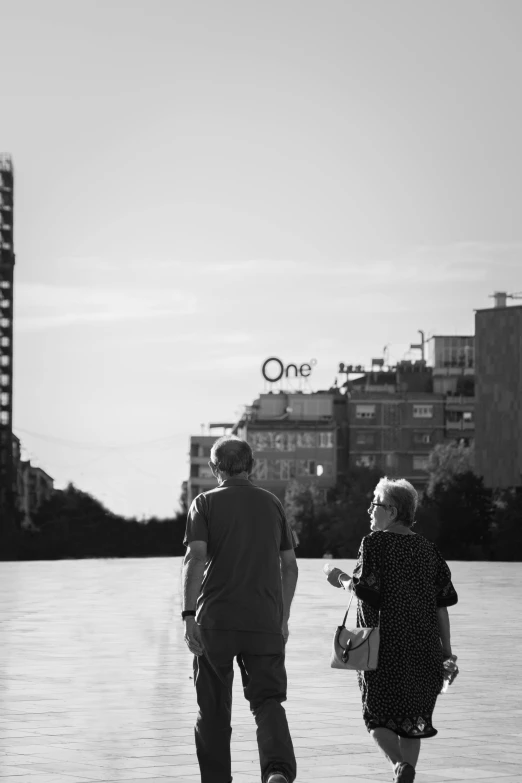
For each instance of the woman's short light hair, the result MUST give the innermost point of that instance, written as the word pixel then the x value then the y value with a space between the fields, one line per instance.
pixel 401 494
pixel 232 455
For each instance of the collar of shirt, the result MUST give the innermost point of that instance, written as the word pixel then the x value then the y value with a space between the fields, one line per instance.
pixel 232 482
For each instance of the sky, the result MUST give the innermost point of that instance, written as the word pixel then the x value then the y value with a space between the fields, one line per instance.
pixel 199 186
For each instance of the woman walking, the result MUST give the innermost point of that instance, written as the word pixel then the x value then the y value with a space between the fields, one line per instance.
pixel 402 584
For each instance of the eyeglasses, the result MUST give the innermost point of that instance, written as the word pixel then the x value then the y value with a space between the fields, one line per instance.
pixel 372 504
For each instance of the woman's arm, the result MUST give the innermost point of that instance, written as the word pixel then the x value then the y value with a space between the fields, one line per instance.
pixel 444 630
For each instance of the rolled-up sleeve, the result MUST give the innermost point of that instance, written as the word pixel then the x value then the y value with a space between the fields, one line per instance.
pixel 197 521
pixel 367 573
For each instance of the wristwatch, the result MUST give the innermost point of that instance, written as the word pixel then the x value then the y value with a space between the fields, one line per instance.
pixel 188 613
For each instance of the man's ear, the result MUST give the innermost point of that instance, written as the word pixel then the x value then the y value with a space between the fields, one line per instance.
pixel 213 468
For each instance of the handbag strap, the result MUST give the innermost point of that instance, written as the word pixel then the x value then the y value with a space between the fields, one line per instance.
pixel 352 593
pixel 349 604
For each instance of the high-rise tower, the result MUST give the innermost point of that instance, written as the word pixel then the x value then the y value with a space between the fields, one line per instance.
pixel 7 260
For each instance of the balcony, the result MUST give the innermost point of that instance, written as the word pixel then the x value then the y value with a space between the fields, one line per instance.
pixel 459 403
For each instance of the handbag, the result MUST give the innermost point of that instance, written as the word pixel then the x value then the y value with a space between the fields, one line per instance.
pixel 355 648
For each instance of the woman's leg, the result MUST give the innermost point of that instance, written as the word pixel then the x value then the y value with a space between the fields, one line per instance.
pixel 388 742
pixel 410 749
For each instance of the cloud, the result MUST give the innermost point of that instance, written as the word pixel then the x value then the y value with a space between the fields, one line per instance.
pixel 197 338
pixel 40 306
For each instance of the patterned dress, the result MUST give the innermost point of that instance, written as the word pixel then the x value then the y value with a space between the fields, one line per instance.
pixel 399 581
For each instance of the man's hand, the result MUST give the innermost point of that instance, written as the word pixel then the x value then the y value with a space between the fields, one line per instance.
pixel 193 636
pixel 285 631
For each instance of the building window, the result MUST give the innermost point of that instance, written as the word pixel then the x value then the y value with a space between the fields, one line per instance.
pixel 5 342
pixel 4 361
pixel 306 440
pixel 365 411
pixel 4 399
pixel 4 380
pixel 4 417
pixel 423 411
pixel 284 441
pixel 326 440
pixel 420 463
pixel 5 284
pixel 467 416
pixel 286 469
pixel 365 439
pixel 327 469
pixel 306 467
pixel 422 437
pixel 260 471
pixel 365 461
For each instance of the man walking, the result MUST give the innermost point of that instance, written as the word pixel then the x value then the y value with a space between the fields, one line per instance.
pixel 239 578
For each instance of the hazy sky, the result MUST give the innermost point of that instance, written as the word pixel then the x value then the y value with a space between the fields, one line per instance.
pixel 200 185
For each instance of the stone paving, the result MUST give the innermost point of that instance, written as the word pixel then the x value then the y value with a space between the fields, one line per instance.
pixel 95 680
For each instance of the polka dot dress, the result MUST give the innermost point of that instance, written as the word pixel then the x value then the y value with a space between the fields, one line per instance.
pixel 400 580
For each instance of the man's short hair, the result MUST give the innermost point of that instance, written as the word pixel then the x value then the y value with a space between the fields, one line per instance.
pixel 401 494
pixel 232 455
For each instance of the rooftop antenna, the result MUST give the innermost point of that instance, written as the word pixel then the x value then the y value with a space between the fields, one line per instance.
pixel 420 345
pixel 500 297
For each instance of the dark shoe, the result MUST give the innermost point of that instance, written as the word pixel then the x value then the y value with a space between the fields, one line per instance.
pixel 276 777
pixel 404 773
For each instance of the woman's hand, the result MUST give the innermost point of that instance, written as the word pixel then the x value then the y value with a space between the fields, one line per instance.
pixel 334 575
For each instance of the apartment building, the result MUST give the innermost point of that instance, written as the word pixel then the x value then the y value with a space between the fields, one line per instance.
pixel 295 435
pixel 201 478
pixel 498 351
pixel 395 431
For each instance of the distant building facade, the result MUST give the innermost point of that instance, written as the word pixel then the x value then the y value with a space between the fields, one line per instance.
pixel 33 486
pixel 452 359
pixel 395 420
pixel 296 436
pixel 498 354
pixel 201 478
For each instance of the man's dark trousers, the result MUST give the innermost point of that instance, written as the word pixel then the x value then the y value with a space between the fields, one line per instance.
pixel 261 658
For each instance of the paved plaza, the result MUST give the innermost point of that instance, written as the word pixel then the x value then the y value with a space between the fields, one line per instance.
pixel 95 680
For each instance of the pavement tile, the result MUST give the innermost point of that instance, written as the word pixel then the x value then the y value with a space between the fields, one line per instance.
pixel 97 686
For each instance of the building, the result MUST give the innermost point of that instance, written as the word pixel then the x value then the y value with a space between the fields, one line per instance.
pixel 395 420
pixel 7 260
pixel 498 356
pixel 35 486
pixel 201 478
pixel 296 435
pixel 452 359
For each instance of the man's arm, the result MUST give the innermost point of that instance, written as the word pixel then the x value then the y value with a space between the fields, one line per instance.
pixel 289 574
pixel 192 575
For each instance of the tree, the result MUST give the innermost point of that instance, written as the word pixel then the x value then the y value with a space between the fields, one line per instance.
pixel 506 528
pixel 335 525
pixel 73 524
pixel 302 505
pixel 464 511
pixel 448 460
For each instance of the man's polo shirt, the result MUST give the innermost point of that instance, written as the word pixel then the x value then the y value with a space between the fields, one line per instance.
pixel 245 529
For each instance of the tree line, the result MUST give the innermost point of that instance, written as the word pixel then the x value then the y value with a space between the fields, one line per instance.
pixel 456 511
pixel 466 520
